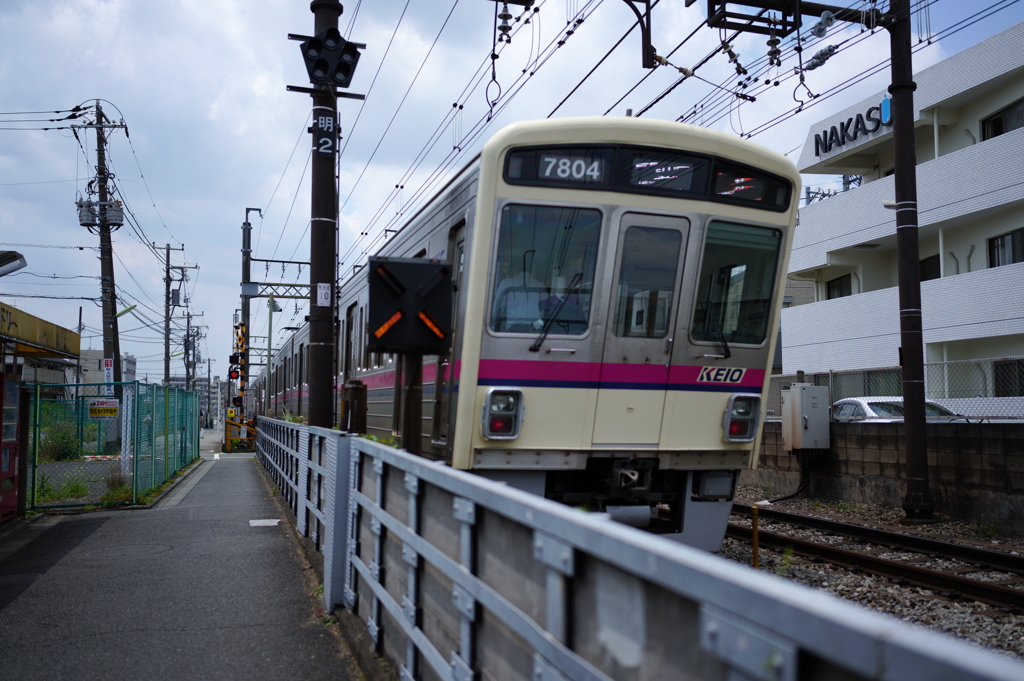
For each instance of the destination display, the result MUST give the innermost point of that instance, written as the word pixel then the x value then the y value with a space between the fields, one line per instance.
pixel 647 170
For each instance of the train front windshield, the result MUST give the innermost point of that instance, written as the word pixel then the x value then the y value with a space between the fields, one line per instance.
pixel 546 261
pixel 736 281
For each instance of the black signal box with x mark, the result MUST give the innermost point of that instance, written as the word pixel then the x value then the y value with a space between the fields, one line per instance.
pixel 410 306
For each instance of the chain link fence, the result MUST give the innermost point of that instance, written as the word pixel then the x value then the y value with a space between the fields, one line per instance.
pixel 100 443
pixel 977 388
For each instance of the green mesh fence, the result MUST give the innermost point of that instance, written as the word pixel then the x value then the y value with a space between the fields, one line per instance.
pixel 88 447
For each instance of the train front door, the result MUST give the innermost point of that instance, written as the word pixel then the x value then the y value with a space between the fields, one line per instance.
pixel 638 338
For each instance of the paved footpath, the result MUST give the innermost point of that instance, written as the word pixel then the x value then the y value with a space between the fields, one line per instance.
pixel 190 589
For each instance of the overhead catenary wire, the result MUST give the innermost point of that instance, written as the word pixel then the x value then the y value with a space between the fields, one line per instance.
pixel 471 86
pixel 990 10
pixel 470 137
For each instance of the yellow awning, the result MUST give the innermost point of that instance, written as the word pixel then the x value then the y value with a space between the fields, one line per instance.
pixel 35 337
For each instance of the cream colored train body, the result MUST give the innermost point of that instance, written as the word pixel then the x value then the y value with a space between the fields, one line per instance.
pixel 617 291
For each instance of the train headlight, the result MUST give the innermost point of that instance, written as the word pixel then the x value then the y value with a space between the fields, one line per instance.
pixel 502 414
pixel 739 424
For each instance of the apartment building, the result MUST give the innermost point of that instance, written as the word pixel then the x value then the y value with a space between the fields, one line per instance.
pixel 969 133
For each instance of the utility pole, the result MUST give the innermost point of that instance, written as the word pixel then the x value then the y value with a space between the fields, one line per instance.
pixel 917 504
pixel 786 17
pixel 168 280
pixel 106 217
pixel 111 340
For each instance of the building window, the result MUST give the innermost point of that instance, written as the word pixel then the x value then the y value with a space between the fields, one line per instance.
pixel 1010 118
pixel 1006 249
pixel 840 287
pixel 930 268
pixel 1009 378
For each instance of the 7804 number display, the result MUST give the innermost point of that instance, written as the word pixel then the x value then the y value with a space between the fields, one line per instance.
pixel 571 168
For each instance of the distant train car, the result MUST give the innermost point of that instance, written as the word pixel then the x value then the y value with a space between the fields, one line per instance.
pixel 617 291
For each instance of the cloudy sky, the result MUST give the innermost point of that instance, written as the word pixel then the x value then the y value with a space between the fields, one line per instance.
pixel 211 130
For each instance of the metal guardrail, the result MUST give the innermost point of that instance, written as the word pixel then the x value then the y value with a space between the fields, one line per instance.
pixel 457 577
pixel 977 388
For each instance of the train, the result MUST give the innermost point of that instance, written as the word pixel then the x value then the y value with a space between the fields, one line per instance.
pixel 617 287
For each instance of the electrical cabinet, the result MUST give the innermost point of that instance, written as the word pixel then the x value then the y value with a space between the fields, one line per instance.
pixel 805 417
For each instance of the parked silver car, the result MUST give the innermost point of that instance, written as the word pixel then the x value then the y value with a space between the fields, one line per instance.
pixel 886 410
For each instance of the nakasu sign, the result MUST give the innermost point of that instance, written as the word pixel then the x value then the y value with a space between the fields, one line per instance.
pixel 863 124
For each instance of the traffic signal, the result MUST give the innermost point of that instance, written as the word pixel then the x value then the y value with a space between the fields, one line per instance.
pixel 233 374
pixel 233 360
pixel 238 401
pixel 330 59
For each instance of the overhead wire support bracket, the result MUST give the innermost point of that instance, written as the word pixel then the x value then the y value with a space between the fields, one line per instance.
pixel 322 90
pixel 648 53
pixel 786 18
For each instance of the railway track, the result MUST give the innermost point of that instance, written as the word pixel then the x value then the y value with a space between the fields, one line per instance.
pixel 947 583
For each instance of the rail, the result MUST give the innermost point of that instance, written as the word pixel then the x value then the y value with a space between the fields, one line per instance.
pixel 458 577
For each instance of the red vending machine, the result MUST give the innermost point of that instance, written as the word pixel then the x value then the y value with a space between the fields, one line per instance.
pixel 10 456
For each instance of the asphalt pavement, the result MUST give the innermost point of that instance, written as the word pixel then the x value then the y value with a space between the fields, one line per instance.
pixel 210 583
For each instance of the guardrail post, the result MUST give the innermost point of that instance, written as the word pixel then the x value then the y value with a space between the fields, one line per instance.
pixel 378 555
pixel 352 519
pixel 336 536
pixel 412 559
pixel 305 449
pixel 559 558
pixel 464 511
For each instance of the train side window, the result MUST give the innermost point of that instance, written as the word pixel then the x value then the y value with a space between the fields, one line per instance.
pixel 647 279
pixel 545 268
pixel 736 283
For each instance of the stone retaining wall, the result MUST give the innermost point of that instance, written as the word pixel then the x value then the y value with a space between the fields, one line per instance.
pixel 975 470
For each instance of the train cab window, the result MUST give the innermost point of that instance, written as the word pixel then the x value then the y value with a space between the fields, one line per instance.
pixel 736 283
pixel 647 280
pixel 545 269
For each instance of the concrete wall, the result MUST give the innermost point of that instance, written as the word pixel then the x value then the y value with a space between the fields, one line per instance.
pixel 975 470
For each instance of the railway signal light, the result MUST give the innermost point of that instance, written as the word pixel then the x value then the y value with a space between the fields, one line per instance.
pixel 410 305
pixel 233 374
pixel 233 360
pixel 330 59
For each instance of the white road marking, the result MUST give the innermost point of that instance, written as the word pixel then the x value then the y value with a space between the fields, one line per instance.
pixel 216 457
pixel 264 523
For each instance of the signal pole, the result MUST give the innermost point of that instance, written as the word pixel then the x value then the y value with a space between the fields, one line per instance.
pixel 330 62
pixel 322 254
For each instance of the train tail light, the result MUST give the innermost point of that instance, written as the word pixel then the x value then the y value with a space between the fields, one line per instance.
pixel 739 424
pixel 502 414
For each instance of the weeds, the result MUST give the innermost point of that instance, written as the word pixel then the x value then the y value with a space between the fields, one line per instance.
pixel 389 441
pixel 115 478
pixel 117 495
pixel 60 443
pixel 785 563
pixel 44 488
pixel 72 488
pixel 988 531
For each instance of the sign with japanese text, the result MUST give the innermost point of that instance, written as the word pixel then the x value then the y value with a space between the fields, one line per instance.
pixel 325 134
pixel 103 409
